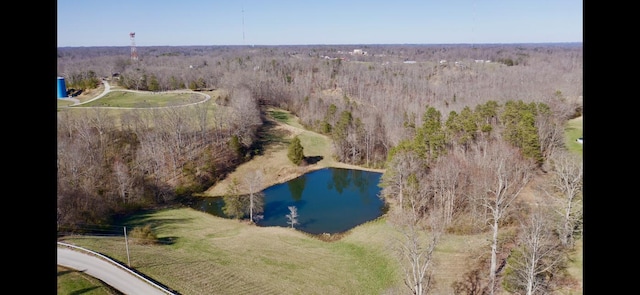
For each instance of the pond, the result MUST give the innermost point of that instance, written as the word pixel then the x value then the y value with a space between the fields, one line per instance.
pixel 329 200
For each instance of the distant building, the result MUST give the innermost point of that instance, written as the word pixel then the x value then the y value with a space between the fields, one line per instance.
pixel 62 88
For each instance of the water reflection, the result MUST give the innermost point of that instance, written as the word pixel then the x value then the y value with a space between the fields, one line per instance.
pixel 296 187
pixel 329 200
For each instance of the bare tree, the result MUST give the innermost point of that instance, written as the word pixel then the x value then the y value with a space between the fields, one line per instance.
pixel 201 111
pixel 448 179
pixel 567 179
pixel 506 174
pixel 245 115
pixel 123 179
pixel 152 158
pixel 292 217
pixel 420 234
pixel 254 181
pixel 550 126
pixel 533 263
pixel 394 181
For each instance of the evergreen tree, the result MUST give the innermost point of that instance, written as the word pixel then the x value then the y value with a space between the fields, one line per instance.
pixel 236 146
pixel 234 204
pixel 520 129
pixel 154 85
pixel 431 136
pixel 296 151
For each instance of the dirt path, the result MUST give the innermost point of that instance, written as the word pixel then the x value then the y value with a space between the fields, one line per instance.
pixel 275 165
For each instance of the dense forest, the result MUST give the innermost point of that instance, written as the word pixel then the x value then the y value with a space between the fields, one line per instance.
pixel 460 130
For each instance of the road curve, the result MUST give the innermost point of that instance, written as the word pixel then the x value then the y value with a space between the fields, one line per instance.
pixel 116 276
pixel 107 89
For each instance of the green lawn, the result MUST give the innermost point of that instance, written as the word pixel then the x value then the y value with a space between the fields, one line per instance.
pixel 204 254
pixel 64 103
pixel 75 282
pixel 125 99
pixel 116 103
pixel 573 131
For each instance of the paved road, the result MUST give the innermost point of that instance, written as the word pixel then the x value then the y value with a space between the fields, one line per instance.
pixel 76 101
pixel 115 276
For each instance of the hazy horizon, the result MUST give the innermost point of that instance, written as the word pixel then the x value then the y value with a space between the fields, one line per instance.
pixel 294 45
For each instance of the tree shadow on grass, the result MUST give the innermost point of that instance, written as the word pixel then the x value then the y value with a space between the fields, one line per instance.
pixel 313 159
pixel 267 135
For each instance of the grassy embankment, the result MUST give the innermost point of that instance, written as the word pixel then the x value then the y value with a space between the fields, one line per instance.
pixel 274 163
pixel 77 282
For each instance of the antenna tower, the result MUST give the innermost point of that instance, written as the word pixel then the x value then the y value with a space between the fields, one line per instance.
pixel 242 24
pixel 134 52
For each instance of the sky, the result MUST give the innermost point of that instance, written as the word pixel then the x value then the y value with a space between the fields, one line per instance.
pixel 330 22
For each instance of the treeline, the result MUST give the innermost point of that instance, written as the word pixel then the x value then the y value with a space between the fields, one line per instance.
pixel 465 175
pixel 379 90
pixel 110 162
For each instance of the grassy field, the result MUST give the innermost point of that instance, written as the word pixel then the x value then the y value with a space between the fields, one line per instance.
pixel 126 99
pixel 118 102
pixel 573 131
pixel 75 282
pixel 200 253
pixel 204 254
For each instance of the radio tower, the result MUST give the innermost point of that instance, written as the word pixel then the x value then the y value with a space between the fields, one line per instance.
pixel 134 53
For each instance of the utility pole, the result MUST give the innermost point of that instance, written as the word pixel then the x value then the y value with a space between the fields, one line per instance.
pixel 127 246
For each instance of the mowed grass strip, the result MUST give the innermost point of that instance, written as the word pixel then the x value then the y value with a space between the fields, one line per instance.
pixel 127 99
pixel 573 131
pixel 205 254
pixel 116 108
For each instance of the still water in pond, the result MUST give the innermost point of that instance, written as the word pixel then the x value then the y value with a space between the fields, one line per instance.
pixel 330 200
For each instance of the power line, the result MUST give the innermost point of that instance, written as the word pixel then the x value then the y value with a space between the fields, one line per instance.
pixel 242 7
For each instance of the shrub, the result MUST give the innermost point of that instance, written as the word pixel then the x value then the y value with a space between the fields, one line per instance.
pixel 143 235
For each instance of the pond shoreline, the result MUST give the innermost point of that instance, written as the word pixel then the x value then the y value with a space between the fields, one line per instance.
pixel 275 166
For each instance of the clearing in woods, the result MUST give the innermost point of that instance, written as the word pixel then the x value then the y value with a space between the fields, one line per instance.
pixel 274 164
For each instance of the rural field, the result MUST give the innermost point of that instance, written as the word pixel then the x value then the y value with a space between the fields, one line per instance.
pixel 198 253
pixel 203 254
